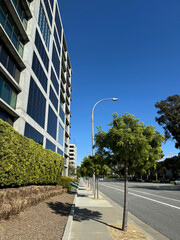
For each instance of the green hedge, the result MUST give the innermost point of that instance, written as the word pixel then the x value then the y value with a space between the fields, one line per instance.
pixel 24 162
pixel 65 182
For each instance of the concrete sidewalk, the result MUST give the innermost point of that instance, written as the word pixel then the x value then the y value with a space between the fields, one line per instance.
pixel 92 217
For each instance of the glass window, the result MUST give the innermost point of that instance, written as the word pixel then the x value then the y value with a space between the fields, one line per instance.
pixel 61 135
pixel 15 40
pixel 48 10
pixel 11 67
pixel 6 93
pixel 38 70
pixel 2 18
pixel 8 29
pixel 61 113
pixel 8 62
pixel 1 86
pixel 52 123
pixel 52 3
pixel 58 23
pixel 44 26
pixel 32 133
pixel 53 98
pixel 6 117
pixel 57 41
pixel 50 145
pixel 54 81
pixel 3 57
pixel 36 104
pixel 60 151
pixel 42 51
pixel 56 60
pixel 13 99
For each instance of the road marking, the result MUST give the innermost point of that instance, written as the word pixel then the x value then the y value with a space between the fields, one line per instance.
pixel 154 195
pixel 153 200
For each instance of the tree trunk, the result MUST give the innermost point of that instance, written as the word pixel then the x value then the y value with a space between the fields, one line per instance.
pixel 97 189
pixel 125 212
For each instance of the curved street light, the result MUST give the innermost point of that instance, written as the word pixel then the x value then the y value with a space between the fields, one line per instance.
pixel 92 116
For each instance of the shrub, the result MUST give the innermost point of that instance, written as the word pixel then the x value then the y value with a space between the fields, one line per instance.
pixel 65 182
pixel 112 176
pixel 24 162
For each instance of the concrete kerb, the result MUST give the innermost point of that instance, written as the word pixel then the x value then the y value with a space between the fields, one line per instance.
pixel 68 228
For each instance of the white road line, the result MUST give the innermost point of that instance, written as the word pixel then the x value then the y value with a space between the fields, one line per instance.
pixel 153 195
pixel 153 200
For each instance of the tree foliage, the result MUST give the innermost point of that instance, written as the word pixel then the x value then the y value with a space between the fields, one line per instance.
pixel 169 111
pixel 130 140
pixel 94 164
pixel 131 144
pixel 172 164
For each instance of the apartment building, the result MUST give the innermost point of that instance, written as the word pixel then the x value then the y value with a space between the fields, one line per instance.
pixel 72 154
pixel 35 73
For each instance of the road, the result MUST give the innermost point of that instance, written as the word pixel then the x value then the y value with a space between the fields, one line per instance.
pixel 158 205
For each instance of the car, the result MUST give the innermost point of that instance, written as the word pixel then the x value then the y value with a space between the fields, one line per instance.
pixel 177 181
pixel 148 180
pixel 101 179
pixel 164 180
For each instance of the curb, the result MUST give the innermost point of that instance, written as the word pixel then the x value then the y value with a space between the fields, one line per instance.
pixel 68 228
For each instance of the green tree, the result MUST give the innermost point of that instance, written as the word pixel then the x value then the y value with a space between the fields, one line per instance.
pixel 78 172
pixel 71 169
pixel 173 164
pixel 130 143
pixel 169 111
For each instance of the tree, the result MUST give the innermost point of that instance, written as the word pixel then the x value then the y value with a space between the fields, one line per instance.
pixel 132 144
pixel 169 111
pixel 78 172
pixel 94 164
pixel 173 164
pixel 71 169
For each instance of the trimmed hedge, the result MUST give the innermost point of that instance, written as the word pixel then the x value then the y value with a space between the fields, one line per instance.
pixel 65 182
pixel 25 162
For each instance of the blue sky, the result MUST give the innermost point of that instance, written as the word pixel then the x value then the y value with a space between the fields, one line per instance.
pixel 129 49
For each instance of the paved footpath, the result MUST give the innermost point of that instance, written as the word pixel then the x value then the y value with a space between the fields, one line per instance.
pixel 92 217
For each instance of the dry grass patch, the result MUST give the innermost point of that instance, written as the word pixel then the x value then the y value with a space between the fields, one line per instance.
pixel 133 233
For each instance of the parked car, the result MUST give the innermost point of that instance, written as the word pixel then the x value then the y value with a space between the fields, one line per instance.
pixel 177 181
pixel 164 180
pixel 148 180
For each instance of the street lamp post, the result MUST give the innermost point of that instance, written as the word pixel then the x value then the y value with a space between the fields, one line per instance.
pixel 105 99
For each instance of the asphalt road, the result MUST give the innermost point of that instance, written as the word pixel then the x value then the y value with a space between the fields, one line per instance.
pixel 158 205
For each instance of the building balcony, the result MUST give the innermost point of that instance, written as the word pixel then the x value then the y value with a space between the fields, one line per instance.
pixel 63 77
pixel 68 91
pixel 11 48
pixel 64 66
pixel 8 109
pixel 67 100
pixel 10 78
pixel 68 81
pixel 12 9
pixel 67 109
pixel 62 96
pixel 62 87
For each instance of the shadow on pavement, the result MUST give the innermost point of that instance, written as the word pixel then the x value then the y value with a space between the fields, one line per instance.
pixel 84 214
pixel 81 195
pixel 60 208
